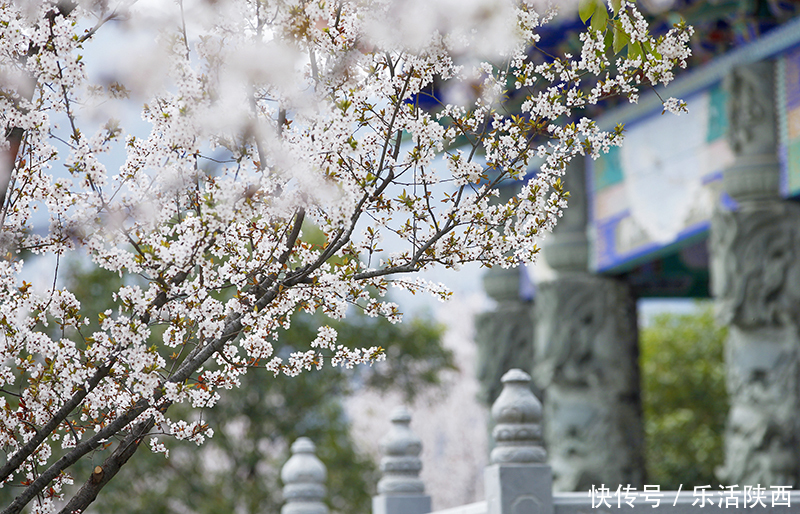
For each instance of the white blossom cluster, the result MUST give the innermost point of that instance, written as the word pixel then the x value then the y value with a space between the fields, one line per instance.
pixel 286 143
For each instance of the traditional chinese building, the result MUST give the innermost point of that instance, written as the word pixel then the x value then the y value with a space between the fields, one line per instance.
pixel 704 205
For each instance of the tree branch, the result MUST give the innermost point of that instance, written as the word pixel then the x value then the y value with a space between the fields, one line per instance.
pixel 196 359
pixel 110 467
pixel 16 460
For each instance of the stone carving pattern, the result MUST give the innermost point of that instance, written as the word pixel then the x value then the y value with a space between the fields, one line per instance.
pixel 517 415
pixel 755 263
pixel 304 478
pixel 401 463
pixel 751 109
pixel 505 339
pixel 586 357
pixel 526 504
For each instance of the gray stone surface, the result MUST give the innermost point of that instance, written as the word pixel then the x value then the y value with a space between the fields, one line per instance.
pixel 407 504
pixel 672 502
pixel 518 489
pixel 586 358
pixel 756 282
pixel 581 503
pixel 472 508
pixel 400 490
pixel 304 478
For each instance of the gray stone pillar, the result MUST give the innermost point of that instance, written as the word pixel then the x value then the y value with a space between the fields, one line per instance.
pixel 304 478
pixel 504 336
pixel 400 490
pixel 587 362
pixel 756 281
pixel 755 273
pixel 567 248
pixel 752 134
pixel 518 481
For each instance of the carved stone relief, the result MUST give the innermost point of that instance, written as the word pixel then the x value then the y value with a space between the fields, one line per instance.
pixel 755 259
pixel 505 341
pixel 586 356
pixel 752 133
pixel 751 108
pixel 754 265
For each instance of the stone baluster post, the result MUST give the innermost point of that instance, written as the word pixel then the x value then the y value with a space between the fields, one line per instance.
pixel 518 481
pixel 755 275
pixel 303 478
pixel 400 490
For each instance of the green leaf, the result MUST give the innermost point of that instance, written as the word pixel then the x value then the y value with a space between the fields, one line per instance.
pixel 682 354
pixel 634 50
pixel 586 9
pixel 615 5
pixel 620 37
pixel 600 17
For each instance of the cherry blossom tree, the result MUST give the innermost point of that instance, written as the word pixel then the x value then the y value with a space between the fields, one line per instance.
pixel 368 123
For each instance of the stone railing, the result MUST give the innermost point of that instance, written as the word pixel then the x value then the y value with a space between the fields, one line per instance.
pixel 517 480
